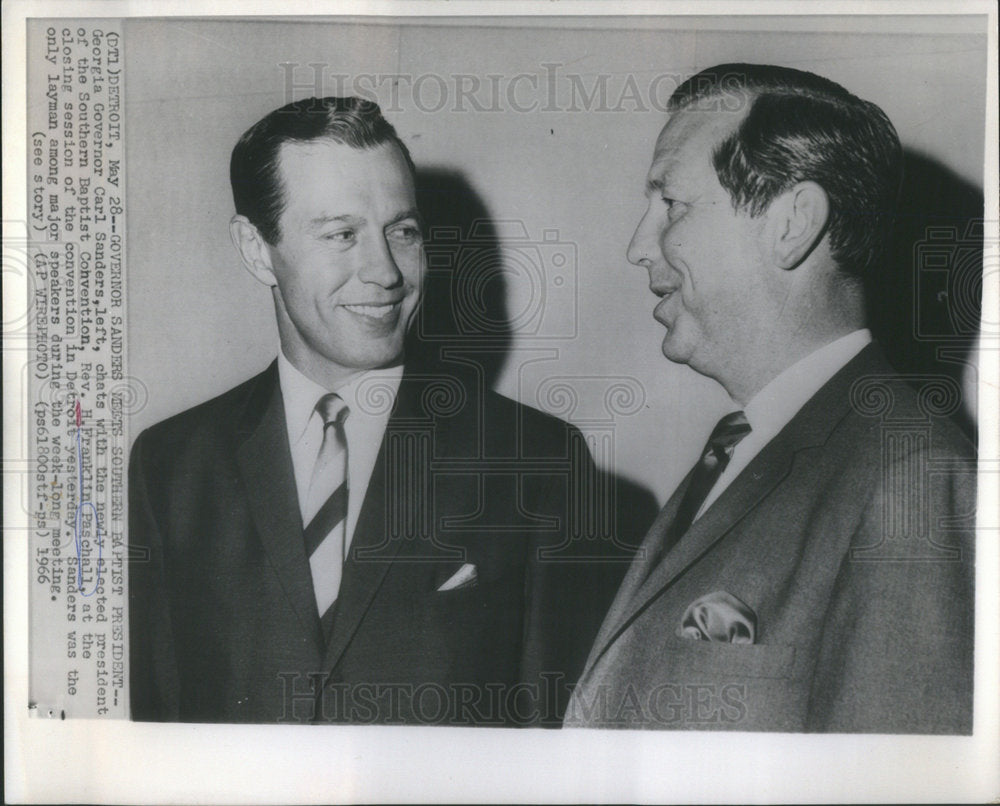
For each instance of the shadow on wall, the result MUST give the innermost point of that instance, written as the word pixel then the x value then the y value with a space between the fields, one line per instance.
pixel 465 289
pixel 925 308
pixel 465 311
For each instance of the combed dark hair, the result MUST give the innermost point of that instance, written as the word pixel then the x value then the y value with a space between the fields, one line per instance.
pixel 253 168
pixel 801 127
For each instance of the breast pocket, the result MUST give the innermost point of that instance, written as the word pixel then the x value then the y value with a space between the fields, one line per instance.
pixel 718 659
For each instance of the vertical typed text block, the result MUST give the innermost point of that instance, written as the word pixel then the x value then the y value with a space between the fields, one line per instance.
pixel 79 392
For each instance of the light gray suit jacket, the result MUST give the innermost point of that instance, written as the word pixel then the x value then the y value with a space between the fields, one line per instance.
pixel 850 536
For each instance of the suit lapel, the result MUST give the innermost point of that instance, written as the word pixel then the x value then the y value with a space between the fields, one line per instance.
pixel 373 549
pixel 363 576
pixel 767 470
pixel 810 427
pixel 265 464
pixel 758 479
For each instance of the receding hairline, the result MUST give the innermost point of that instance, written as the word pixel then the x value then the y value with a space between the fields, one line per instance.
pixel 749 94
pixel 702 125
pixel 314 143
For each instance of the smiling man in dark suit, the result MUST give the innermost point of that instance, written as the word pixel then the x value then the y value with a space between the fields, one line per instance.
pixel 814 571
pixel 343 538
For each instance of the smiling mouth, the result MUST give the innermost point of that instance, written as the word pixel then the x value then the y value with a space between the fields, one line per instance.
pixel 374 311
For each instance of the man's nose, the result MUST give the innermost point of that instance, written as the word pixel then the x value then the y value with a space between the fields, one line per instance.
pixel 380 265
pixel 642 248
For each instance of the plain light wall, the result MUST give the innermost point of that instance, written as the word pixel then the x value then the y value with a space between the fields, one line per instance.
pixel 199 324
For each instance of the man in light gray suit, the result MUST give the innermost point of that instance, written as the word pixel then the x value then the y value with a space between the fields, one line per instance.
pixel 814 570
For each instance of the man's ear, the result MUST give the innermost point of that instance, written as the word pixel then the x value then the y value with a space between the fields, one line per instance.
pixel 799 217
pixel 253 249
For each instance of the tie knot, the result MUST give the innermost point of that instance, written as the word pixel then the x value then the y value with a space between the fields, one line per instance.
pixel 332 409
pixel 730 430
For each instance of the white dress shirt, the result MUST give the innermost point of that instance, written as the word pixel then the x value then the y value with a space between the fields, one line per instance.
pixel 364 428
pixel 773 407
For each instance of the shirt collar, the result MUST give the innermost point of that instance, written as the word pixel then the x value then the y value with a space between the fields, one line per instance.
pixel 300 393
pixel 775 405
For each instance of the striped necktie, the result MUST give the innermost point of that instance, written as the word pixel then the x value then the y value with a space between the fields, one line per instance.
pixel 714 458
pixel 326 509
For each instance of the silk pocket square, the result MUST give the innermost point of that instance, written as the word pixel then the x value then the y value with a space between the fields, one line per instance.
pixel 719 616
pixel 464 577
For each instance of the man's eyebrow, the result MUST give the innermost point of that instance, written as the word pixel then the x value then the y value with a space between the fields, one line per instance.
pixel 665 168
pixel 323 220
pixel 413 213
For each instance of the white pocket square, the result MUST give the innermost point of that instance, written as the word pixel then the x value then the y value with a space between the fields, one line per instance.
pixel 464 577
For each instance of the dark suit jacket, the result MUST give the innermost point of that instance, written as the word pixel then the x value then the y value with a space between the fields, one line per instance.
pixel 224 626
pixel 851 538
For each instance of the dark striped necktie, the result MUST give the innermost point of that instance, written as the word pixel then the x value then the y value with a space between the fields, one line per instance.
pixel 714 458
pixel 326 509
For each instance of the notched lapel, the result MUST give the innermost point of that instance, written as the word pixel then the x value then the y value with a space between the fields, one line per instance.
pixel 265 464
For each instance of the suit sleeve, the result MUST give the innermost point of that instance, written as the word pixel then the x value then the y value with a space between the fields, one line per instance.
pixel 152 666
pixel 896 650
pixel 569 584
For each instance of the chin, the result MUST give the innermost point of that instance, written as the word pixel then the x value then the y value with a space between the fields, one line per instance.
pixel 367 352
pixel 672 353
pixel 386 358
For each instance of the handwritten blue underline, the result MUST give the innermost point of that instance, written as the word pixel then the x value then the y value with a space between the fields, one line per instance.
pixel 79 512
